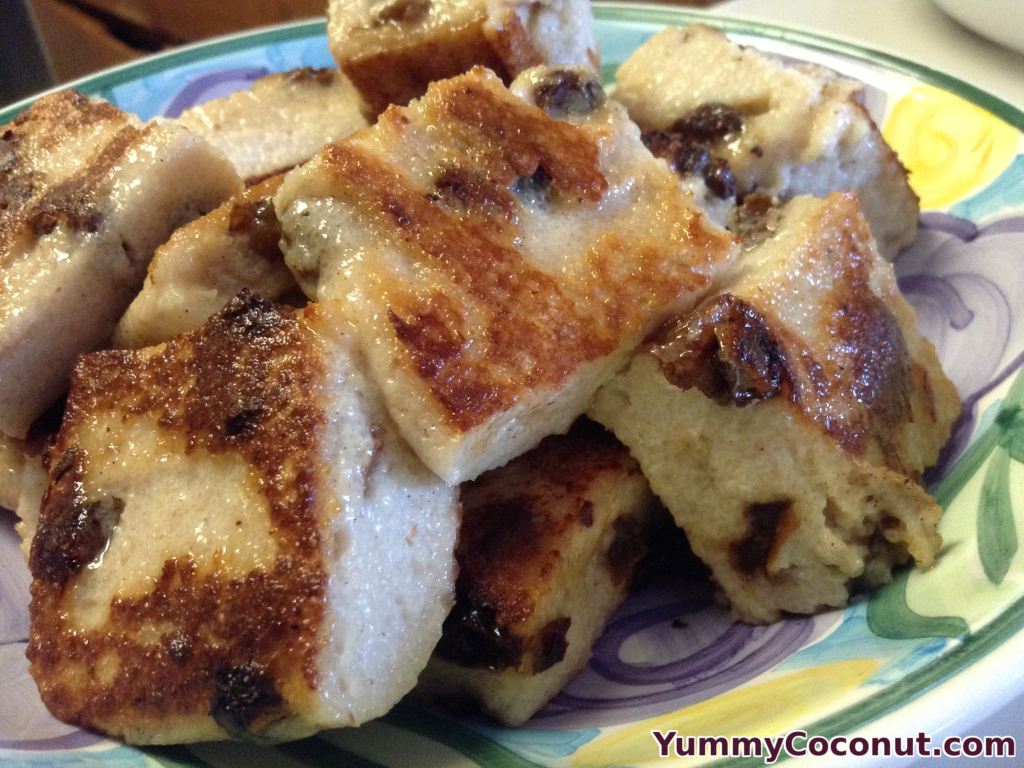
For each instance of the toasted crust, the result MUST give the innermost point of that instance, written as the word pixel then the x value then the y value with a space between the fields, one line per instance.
pixel 842 348
pixel 87 192
pixel 200 562
pixel 393 51
pixel 115 676
pixel 504 267
pixel 785 422
pixel 546 554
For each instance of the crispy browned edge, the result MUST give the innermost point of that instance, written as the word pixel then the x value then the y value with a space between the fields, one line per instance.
pixel 401 73
pixel 518 522
pixel 535 330
pixel 858 394
pixel 30 205
pixel 241 650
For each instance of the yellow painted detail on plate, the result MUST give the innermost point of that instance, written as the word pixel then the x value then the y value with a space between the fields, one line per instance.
pixel 760 710
pixel 949 145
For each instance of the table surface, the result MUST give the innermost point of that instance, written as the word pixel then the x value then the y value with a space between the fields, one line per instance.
pixel 919 31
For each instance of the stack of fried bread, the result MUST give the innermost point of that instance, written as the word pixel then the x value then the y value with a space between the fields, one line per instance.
pixel 352 381
pixel 494 290
pixel 546 554
pixel 806 374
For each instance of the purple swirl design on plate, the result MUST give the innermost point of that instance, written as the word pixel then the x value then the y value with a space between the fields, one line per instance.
pixel 967 285
pixel 669 647
pixel 214 85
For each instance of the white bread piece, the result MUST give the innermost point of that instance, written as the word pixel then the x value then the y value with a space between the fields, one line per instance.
pixel 546 555
pixel 395 49
pixel 497 264
pixel 87 193
pixel 234 540
pixel 803 133
pixel 283 120
pixel 207 263
pixel 785 423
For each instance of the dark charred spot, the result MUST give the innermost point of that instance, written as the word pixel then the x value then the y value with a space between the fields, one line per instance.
pixel 564 92
pixel 472 637
pixel 251 317
pixel 243 423
pixel 245 695
pixel 726 350
pixel 258 221
pixel 180 649
pixel 402 12
pixel 401 217
pixel 750 554
pixel 73 531
pixel 628 547
pixel 319 75
pixel 456 183
pixel 709 123
pixel 551 644
pixel 472 190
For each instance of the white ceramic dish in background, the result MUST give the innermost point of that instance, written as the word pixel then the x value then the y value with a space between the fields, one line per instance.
pixel 999 20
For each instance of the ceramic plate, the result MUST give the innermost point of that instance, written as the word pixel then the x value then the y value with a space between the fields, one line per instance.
pixel 671 659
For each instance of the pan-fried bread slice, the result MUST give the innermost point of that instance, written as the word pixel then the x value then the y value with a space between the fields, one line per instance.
pixel 205 264
pixel 798 128
pixel 87 193
pixel 785 422
pixel 393 50
pixel 234 540
pixel 283 120
pixel 546 554
pixel 497 264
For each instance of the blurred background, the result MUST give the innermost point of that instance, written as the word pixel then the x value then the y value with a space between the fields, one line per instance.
pixel 47 42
